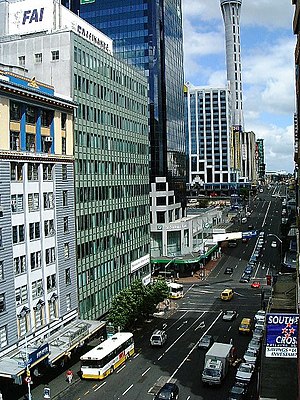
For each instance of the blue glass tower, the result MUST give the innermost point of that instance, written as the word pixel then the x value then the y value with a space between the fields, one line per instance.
pixel 148 35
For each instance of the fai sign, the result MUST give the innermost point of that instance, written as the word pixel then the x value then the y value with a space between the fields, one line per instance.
pixel 282 333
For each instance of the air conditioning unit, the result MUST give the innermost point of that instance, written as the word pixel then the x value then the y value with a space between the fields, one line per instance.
pixel 48 139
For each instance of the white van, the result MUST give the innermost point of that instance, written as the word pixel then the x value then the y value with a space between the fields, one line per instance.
pixel 158 338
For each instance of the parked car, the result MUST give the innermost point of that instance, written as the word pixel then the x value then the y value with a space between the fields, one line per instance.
pixel 237 392
pixel 258 333
pixel 254 344
pixel 250 356
pixel 244 372
pixel 229 315
pixel 169 391
pixel 255 284
pixel 205 342
pixel 245 278
pixel 260 315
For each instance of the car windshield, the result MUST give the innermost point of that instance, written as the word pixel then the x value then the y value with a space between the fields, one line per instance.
pixel 244 368
pixel 212 372
pixel 165 394
pixel 250 353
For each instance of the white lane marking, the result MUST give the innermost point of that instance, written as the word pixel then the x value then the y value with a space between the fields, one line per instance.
pixel 144 373
pixel 194 347
pixel 180 326
pixel 266 215
pixel 100 386
pixel 127 390
pixel 136 355
pixel 191 287
pixel 119 370
pixel 177 320
pixel 179 337
pixel 200 326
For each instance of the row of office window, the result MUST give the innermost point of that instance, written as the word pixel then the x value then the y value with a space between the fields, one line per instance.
pixel 99 245
pixel 102 193
pixel 31 113
pixel 101 142
pixel 38 58
pixel 105 70
pixel 34 170
pixel 111 168
pixel 89 221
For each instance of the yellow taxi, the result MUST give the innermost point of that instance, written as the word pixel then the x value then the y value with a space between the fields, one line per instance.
pixel 227 294
pixel 245 326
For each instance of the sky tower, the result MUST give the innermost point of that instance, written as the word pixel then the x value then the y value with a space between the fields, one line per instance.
pixel 231 15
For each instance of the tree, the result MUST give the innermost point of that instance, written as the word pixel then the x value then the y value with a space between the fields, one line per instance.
pixel 135 303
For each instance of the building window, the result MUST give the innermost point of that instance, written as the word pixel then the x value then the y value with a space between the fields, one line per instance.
pixel 63 145
pixel 49 227
pixel 20 265
pixel 34 230
pixel 37 289
pixel 65 198
pixel 39 316
pixel 38 58
pixel 15 111
pixel 46 118
pixel 22 324
pixel 66 250
pixel 48 200
pixel 66 224
pixel 18 234
pixel 63 121
pixel 64 172
pixel 14 141
pixel 1 240
pixel 16 171
pixel 1 270
pixel 33 202
pixel 68 276
pixel 53 309
pixel 47 172
pixel 33 172
pixel 68 302
pixel 51 283
pixel 50 256
pixel 2 302
pixel 16 203
pixel 30 142
pixel 30 115
pixel 55 55
pixel 3 337
pixel 21 295
pixel 21 61
pixel 35 260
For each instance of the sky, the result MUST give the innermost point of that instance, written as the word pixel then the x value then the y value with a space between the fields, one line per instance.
pixel 267 55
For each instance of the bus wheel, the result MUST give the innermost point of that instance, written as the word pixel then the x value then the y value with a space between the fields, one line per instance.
pixel 111 370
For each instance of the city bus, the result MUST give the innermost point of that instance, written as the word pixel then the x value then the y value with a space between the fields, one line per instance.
pixel 107 356
pixel 175 290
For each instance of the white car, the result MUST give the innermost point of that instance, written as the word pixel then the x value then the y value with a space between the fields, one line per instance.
pixel 244 372
pixel 258 333
pixel 254 345
pixel 260 324
pixel 250 356
pixel 273 244
pixel 229 315
pixel 260 315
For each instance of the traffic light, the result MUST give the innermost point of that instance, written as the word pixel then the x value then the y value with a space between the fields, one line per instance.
pixel 269 280
pixel 27 372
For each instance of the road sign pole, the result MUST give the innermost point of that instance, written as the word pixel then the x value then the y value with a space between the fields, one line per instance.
pixel 28 380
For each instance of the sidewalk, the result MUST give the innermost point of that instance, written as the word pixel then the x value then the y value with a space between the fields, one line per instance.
pixel 197 277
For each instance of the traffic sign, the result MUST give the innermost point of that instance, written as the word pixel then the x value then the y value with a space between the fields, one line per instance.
pixel 28 379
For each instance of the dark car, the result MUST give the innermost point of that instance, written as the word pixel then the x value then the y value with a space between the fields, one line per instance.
pixel 237 392
pixel 169 391
pixel 205 342
pixel 245 278
pixel 228 271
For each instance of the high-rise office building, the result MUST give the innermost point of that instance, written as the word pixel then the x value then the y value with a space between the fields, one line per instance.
pixel 111 142
pixel 207 124
pixel 148 35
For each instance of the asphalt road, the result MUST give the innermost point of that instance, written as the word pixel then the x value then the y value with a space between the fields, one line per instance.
pixel 198 313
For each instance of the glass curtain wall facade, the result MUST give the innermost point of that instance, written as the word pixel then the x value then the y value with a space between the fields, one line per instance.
pixel 148 35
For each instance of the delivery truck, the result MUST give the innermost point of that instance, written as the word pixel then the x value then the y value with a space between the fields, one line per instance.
pixel 216 363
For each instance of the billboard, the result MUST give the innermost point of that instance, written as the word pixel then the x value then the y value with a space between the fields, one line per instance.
pixel 281 335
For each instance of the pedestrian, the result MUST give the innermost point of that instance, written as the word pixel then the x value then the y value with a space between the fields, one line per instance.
pixel 69 375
